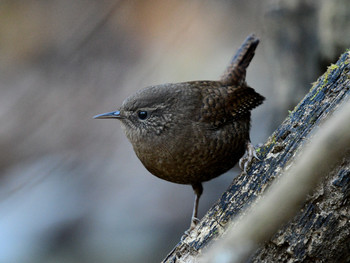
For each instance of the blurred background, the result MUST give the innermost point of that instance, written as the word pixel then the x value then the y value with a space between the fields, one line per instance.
pixel 71 187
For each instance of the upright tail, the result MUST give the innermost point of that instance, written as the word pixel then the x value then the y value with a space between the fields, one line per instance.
pixel 236 71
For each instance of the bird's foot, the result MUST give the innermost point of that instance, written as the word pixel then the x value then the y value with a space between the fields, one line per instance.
pixel 194 223
pixel 247 160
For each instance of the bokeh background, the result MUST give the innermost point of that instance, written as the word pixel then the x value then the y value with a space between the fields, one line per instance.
pixel 71 188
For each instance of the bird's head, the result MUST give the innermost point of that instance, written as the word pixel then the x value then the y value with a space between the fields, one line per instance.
pixel 148 113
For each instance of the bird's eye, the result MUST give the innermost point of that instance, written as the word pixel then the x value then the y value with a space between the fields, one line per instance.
pixel 142 114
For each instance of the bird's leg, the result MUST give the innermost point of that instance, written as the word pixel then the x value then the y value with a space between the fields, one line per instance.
pixel 251 153
pixel 198 190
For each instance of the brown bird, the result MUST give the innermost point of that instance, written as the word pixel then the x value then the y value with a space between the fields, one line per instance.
pixel 191 132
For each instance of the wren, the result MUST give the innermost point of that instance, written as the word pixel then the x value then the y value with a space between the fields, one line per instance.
pixel 191 132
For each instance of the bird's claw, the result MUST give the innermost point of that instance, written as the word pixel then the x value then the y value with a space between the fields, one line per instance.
pixel 246 160
pixel 194 223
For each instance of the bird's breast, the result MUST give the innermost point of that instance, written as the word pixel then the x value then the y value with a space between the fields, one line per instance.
pixel 197 155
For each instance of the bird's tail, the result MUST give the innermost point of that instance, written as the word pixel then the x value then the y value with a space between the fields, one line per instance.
pixel 236 71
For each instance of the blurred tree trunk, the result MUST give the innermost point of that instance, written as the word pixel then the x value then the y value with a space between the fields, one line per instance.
pixel 320 232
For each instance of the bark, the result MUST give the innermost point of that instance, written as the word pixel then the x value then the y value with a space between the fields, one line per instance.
pixel 320 231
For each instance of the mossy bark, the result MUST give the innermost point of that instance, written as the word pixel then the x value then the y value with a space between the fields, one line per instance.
pixel 320 232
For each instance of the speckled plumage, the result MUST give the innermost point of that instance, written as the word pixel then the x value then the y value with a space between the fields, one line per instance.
pixel 192 131
pixel 191 136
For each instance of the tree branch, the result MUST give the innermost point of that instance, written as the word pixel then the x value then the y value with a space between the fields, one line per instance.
pixel 285 197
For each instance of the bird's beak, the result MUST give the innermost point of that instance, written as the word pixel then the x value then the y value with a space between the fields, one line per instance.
pixel 109 115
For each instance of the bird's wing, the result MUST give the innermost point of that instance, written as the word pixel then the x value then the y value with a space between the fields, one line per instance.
pixel 224 104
